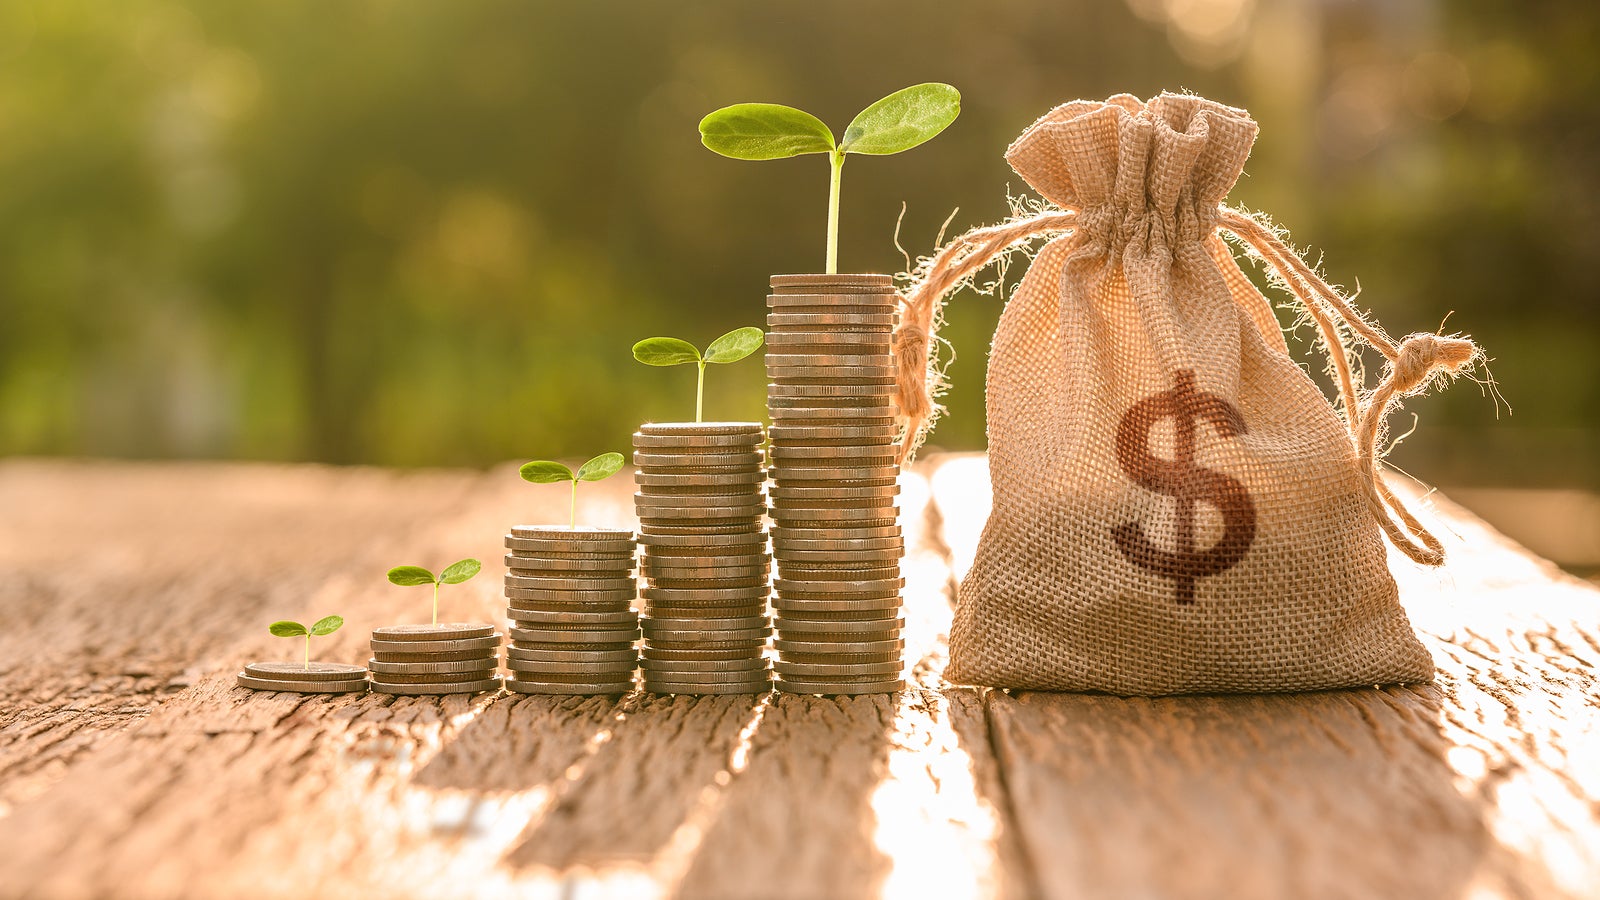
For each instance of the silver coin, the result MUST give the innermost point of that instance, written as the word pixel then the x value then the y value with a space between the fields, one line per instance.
pixel 693 654
pixel 434 656
pixel 518 562
pixel 779 321
pixel 785 645
pixel 833 435
pixel 678 636
pixel 802 507
pixel 461 687
pixel 652 460
pixel 789 338
pixel 862 455
pixel 816 416
pixel 349 686
pixel 653 624
pixel 647 480
pixel 789 536
pixel 571 532
pixel 707 566
pixel 753 678
pixel 816 370
pixel 795 627
pixel 699 525
pixel 484 643
pixel 663 666
pixel 838 670
pixel 877 280
pixel 433 678
pixel 650 507
pixel 880 405
pixel 869 392
pixel 430 668
pixel 791 591
pixel 534 617
pixel 689 596
pixel 745 646
pixel 700 428
pixel 823 473
pixel 300 671
pixel 834 492
pixel 826 688
pixel 781 519
pixel 592 657
pixel 865 360
pixel 740 539
pixel 799 573
pixel 521 596
pixel 830 656
pixel 717 557
pixel 840 558
pixel 567 551
pixel 667 687
pixel 443 631
pixel 695 584
pixel 568 635
pixel 889 600
pixel 613 670
pixel 557 583
pixel 714 443
pixel 522 686
pixel 830 297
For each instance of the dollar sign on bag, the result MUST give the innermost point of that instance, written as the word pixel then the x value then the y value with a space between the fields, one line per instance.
pixel 1187 483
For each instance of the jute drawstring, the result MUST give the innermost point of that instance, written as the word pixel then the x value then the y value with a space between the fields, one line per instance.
pixel 1412 364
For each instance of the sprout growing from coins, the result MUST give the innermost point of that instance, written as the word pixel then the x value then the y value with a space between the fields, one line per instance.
pixel 455 573
pixel 730 348
pixel 544 471
pixel 323 626
pixel 896 123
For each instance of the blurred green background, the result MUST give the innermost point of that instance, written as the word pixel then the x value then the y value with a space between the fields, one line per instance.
pixel 426 234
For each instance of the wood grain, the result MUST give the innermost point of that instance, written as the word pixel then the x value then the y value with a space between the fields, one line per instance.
pixel 131 767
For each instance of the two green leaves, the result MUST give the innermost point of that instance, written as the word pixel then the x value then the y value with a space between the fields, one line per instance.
pixel 894 124
pixel 670 351
pixel 455 573
pixel 324 626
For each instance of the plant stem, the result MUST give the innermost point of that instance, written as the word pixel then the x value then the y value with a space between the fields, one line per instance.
pixel 699 391
pixel 435 605
pixel 308 651
pixel 837 158
pixel 572 516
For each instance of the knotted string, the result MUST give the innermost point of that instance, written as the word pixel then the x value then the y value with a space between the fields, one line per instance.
pixel 1413 363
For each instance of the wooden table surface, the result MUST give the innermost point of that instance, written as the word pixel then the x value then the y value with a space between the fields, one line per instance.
pixel 130 766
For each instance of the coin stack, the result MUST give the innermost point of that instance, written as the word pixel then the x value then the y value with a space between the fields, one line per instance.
pixel 836 533
pixel 569 595
pixel 447 658
pixel 304 678
pixel 705 561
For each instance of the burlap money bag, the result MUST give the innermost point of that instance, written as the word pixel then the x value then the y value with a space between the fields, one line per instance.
pixel 1177 506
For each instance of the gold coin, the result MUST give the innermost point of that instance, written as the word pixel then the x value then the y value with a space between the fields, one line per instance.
pixel 537 668
pixel 527 617
pixel 664 654
pixel 753 478
pixel 837 670
pixel 655 624
pixel 528 598
pixel 888 600
pixel 565 655
pixel 793 627
pixel 653 540
pixel 571 533
pixel 664 667
pixel 433 656
pixel 433 678
pixel 869 322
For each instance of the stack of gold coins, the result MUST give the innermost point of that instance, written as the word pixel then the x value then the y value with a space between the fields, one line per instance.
pixel 447 658
pixel 836 532
pixel 304 677
pixel 569 595
pixel 701 507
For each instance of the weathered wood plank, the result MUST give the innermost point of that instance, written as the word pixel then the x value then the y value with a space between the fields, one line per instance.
pixel 1483 782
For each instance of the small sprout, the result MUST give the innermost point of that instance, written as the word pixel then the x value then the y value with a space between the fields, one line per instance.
pixel 730 348
pixel 894 124
pixel 323 626
pixel 412 576
pixel 544 471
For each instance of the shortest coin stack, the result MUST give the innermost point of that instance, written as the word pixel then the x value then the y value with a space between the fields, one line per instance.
pixel 569 596
pixel 447 658
pixel 304 678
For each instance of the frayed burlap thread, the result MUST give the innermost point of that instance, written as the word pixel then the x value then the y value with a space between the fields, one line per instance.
pixel 1177 508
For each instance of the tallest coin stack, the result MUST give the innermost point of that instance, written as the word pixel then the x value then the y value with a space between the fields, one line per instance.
pixel 836 534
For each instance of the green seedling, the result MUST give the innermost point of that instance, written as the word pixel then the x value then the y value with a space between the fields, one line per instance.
pixel 455 573
pixel 544 471
pixel 324 626
pixel 894 124
pixel 730 348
